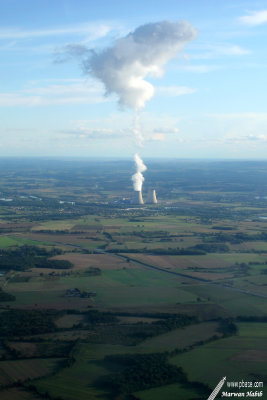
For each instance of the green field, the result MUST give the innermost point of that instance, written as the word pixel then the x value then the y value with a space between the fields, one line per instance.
pixel 236 357
pixel 6 241
pixel 94 275
pixel 170 392
pixel 77 382
pixel 179 338
pixel 236 303
pixel 129 287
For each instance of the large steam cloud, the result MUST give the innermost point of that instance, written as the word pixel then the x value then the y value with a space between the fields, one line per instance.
pixel 123 68
pixel 143 53
pixel 138 178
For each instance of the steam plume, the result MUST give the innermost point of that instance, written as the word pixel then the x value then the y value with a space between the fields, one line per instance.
pixel 124 66
pixel 138 178
pixel 139 138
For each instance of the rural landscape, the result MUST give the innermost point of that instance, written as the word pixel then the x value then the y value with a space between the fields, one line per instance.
pixel 133 200
pixel 105 299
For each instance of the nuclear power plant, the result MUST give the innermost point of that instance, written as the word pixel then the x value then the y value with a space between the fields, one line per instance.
pixel 138 197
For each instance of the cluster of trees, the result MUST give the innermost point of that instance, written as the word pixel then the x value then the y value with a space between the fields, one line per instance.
pixel 251 318
pixel 236 238
pixel 176 321
pixel 227 327
pixel 212 247
pixel 93 271
pixel 99 317
pixel 27 322
pixel 148 234
pixel 56 264
pixel 165 324
pixel 141 371
pixel 21 258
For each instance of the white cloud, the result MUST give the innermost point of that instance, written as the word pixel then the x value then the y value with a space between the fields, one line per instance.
pixel 77 92
pixel 116 126
pixel 171 130
pixel 94 31
pixel 257 137
pixel 207 51
pixel 82 133
pixel 160 137
pixel 253 116
pixel 254 18
pixel 246 139
pixel 231 50
pixel 159 134
pixel 200 68
pixel 123 67
pixel 174 91
pixel 248 129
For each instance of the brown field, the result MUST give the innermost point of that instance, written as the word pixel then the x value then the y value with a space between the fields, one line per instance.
pixel 102 261
pixel 181 261
pixel 16 226
pixel 14 370
pixel 256 245
pixel 67 321
pixel 251 355
pixel 208 275
pixel 68 240
pixel 57 239
pixel 25 348
pixel 183 264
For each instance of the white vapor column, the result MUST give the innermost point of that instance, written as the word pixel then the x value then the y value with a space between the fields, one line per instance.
pixel 124 67
pixel 138 177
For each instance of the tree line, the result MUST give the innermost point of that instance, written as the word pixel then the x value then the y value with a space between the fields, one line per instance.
pixel 24 257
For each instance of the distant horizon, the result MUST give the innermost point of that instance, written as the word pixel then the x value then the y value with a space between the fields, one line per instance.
pixel 129 159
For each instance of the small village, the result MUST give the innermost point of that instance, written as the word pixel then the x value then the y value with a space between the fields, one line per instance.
pixel 78 293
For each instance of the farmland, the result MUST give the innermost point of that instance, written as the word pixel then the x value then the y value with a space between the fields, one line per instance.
pixel 214 357
pixel 92 284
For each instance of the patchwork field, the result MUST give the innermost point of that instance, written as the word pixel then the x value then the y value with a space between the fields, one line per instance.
pixel 240 356
pixel 104 299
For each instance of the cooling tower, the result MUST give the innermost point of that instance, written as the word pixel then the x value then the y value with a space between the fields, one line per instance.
pixel 138 198
pixel 152 199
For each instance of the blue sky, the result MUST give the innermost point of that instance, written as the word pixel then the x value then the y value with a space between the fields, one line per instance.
pixel 209 102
